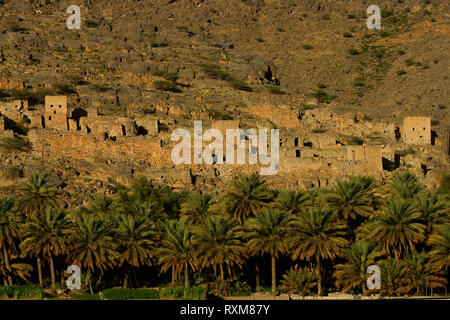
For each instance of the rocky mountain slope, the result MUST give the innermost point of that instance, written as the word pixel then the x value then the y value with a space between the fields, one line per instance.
pixel 138 57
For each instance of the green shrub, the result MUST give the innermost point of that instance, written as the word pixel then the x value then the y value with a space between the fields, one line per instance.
pixel 14 25
pixel 10 173
pixel 213 71
pixel 34 97
pixel 14 144
pixel 163 127
pixel 321 96
pixel 4 93
pixel 353 51
pixel 355 141
pixel 444 186
pixel 386 13
pixel 183 293
pixel 130 294
pixel 63 88
pixel 240 85
pixel 348 35
pixel 169 76
pixel 150 110
pixel 5 292
pixel 86 297
pixel 406 152
pixel 275 90
pixel 91 24
pixel 306 106
pixel 21 292
pixel 166 86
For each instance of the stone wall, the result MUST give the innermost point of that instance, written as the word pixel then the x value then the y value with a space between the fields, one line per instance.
pixel 281 116
pixel 416 130
pixel 76 145
pixel 56 112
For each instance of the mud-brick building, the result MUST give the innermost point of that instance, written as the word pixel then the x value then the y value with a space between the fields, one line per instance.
pixel 56 113
pixel 416 130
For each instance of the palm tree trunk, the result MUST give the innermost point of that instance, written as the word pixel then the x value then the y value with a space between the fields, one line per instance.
pixel 186 276
pixel 173 274
pixel 52 272
pixel 8 267
pixel 222 276
pixel 39 266
pixel 129 278
pixel 258 280
pixel 125 280
pixel 62 277
pixel 319 281
pixel 274 276
pixel 135 277
pixel 88 280
pixel 5 282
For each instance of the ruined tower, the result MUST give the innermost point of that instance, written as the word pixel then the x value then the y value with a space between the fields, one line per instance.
pixel 417 130
pixel 56 112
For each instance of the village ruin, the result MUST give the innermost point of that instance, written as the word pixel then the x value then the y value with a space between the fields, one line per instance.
pixel 317 146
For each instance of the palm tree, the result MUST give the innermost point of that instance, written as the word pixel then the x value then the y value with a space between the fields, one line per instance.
pixel 135 238
pixel 352 274
pixel 420 273
pixel 404 185
pixel 47 236
pixel 195 208
pixel 298 281
pixel 318 235
pixel 16 269
pixel 93 246
pixel 219 243
pixel 9 231
pixel 37 194
pixel 397 228
pixel 293 202
pixel 440 243
pixel 141 189
pixel 267 234
pixel 101 206
pixel 177 248
pixel 434 210
pixel 149 209
pixel 352 198
pixel 393 276
pixel 246 197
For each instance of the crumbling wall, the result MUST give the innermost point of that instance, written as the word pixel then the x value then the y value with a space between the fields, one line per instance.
pixel 14 109
pixel 76 145
pixel 416 130
pixel 281 116
pixel 56 113
pixel 147 125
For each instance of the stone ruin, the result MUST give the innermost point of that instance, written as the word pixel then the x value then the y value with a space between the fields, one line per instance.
pixel 314 149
